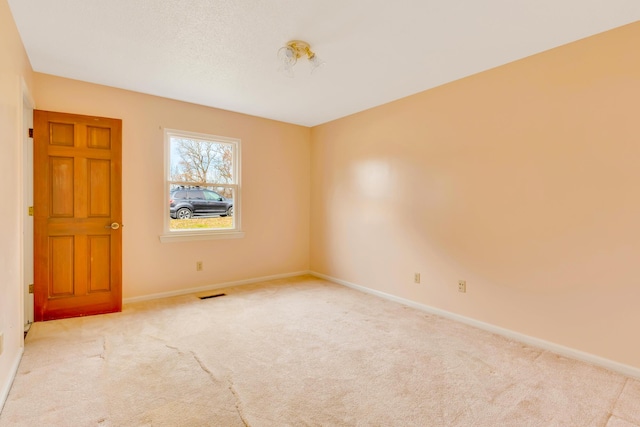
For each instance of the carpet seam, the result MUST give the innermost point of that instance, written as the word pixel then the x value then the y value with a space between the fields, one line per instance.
pixel 238 402
pixel 230 387
pixel 615 402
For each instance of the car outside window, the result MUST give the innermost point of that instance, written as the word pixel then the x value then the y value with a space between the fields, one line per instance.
pixel 210 195
pixel 203 186
pixel 196 195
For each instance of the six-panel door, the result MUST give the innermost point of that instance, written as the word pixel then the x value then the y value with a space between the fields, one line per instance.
pixel 77 196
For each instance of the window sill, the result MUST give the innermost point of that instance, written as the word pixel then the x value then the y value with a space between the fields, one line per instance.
pixel 200 235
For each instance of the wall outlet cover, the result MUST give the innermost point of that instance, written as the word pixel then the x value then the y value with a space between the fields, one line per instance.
pixel 462 286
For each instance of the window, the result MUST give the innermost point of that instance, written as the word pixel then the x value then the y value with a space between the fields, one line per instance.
pixel 202 186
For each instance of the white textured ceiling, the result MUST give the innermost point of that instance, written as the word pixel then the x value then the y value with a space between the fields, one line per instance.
pixel 222 53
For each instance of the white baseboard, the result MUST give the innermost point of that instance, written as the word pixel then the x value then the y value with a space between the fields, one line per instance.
pixel 4 392
pixel 212 287
pixel 526 339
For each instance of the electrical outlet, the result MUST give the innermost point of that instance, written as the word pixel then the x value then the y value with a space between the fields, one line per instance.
pixel 416 277
pixel 198 265
pixel 1 342
pixel 462 286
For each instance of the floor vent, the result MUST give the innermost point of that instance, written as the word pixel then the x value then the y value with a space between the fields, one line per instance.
pixel 212 296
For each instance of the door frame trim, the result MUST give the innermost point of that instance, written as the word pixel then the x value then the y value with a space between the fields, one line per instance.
pixel 26 102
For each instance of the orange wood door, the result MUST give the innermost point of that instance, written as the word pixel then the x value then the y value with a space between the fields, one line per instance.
pixel 77 196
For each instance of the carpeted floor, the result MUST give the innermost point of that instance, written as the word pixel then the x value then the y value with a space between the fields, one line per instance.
pixel 300 352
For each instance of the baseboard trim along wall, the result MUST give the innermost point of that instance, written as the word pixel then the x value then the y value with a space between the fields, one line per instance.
pixel 212 287
pixel 4 392
pixel 536 342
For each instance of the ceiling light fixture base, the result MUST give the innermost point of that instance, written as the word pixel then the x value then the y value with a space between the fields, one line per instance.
pixel 293 50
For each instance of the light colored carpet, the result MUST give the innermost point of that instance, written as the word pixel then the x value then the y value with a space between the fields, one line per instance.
pixel 300 352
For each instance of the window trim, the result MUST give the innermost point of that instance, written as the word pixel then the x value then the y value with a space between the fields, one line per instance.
pixel 169 235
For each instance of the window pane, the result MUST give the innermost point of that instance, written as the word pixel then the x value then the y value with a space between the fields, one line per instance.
pixel 201 208
pixel 198 161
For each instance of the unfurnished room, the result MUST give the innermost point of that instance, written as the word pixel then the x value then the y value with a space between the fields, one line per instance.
pixel 320 213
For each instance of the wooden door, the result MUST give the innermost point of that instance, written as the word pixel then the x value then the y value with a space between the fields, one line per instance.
pixel 77 199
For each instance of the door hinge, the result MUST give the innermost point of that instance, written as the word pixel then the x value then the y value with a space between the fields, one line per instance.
pixel 30 210
pixel 31 288
pixel 30 132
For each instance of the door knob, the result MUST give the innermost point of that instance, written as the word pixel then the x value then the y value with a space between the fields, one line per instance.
pixel 113 226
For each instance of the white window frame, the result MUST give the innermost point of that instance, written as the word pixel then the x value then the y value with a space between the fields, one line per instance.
pixel 202 234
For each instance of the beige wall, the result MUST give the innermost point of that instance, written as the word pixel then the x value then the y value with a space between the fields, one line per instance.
pixel 523 180
pixel 275 194
pixel 14 70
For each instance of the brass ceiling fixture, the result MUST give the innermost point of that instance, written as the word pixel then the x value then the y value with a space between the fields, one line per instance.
pixel 293 50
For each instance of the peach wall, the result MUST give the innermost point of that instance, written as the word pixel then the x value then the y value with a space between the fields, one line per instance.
pixel 275 194
pixel 523 180
pixel 14 70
